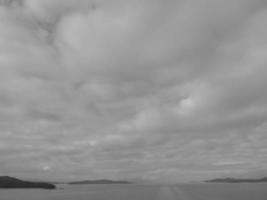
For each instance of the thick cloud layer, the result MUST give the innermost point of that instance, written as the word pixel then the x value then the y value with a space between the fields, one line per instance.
pixel 170 90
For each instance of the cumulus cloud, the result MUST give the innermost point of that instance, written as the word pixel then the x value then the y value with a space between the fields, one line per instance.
pixel 133 89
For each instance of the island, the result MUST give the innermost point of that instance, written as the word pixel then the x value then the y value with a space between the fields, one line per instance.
pixel 10 182
pixel 102 181
pixel 237 180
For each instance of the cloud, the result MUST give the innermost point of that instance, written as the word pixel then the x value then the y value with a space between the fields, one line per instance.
pixel 130 89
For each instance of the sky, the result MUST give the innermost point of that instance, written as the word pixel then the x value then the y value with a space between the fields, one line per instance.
pixel 161 91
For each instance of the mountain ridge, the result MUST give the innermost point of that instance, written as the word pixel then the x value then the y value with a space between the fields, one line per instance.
pixel 11 182
pixel 237 180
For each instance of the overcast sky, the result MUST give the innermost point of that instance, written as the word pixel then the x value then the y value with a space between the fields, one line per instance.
pixel 158 90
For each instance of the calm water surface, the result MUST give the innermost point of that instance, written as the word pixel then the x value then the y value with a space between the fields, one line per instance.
pixel 143 192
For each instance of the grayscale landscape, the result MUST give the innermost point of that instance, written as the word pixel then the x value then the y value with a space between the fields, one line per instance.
pixel 133 99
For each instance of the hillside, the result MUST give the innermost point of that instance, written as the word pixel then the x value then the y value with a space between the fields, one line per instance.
pixel 10 182
pixel 235 180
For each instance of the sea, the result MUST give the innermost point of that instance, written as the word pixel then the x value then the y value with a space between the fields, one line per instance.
pixel 205 191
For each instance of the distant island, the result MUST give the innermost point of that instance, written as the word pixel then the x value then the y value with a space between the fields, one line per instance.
pixel 103 181
pixel 10 182
pixel 237 180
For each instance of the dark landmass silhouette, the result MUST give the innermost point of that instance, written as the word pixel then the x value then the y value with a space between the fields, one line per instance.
pixel 102 181
pixel 10 182
pixel 237 180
